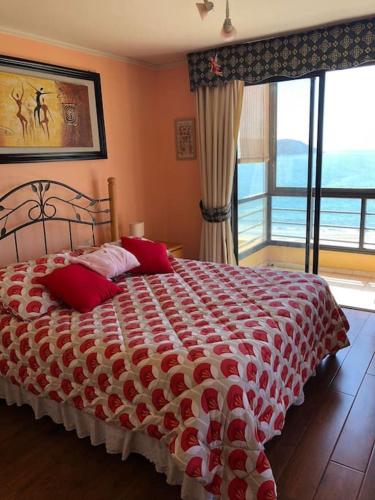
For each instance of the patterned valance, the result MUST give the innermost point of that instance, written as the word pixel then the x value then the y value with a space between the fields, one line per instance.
pixel 336 47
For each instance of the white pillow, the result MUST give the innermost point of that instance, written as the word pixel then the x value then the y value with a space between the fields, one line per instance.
pixel 109 260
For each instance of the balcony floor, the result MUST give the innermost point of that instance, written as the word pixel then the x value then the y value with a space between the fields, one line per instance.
pixel 351 276
pixel 352 290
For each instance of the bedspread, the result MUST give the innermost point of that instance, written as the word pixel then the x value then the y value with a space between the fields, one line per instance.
pixel 207 360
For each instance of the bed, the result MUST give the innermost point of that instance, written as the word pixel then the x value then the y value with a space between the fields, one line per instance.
pixel 194 369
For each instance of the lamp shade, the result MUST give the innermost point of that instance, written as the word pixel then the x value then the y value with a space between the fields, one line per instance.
pixel 137 229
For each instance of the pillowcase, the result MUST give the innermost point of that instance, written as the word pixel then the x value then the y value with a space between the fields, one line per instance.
pixel 20 292
pixel 79 287
pixel 109 260
pixel 153 256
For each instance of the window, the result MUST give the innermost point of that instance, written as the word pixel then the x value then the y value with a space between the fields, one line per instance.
pixel 291 112
pixel 349 129
pixel 253 158
pixel 273 162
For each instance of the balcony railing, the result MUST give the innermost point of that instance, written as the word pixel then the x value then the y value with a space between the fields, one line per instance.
pixel 346 223
pixel 252 221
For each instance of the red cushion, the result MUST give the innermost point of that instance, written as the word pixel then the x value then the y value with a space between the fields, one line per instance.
pixel 79 287
pixel 152 256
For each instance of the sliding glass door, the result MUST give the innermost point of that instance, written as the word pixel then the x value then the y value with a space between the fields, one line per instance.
pixel 277 171
pixel 294 173
pixel 306 180
pixel 347 229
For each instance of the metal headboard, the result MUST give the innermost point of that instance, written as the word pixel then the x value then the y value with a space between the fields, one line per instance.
pixel 67 205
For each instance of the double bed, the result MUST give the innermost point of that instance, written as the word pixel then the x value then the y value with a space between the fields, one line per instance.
pixel 193 369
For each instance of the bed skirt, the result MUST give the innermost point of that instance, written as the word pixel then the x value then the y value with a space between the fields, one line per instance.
pixel 116 440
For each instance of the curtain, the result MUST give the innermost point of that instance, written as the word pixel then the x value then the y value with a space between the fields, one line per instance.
pixel 219 112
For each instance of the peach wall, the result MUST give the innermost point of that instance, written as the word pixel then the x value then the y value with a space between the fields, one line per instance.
pixel 140 106
pixel 172 184
pixel 128 100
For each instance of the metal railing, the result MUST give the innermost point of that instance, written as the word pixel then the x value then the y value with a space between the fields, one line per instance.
pixel 348 229
pixel 253 234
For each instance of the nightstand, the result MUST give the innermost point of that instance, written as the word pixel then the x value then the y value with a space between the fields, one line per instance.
pixel 175 249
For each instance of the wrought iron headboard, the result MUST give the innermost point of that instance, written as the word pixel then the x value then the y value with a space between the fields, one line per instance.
pixel 43 206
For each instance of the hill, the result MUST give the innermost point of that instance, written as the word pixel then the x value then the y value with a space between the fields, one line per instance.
pixel 291 147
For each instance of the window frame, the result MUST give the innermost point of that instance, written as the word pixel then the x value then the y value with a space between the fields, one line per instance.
pixel 272 189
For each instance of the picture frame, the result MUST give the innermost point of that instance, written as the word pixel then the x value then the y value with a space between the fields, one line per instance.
pixel 49 113
pixel 185 139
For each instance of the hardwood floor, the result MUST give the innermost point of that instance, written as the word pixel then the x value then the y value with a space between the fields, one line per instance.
pixel 326 451
pixel 325 448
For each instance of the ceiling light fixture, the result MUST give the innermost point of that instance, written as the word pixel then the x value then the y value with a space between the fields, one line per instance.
pixel 204 8
pixel 228 31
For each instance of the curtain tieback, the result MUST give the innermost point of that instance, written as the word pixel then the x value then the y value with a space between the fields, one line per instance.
pixel 216 214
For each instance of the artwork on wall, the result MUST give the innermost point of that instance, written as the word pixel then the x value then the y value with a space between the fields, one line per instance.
pixel 185 139
pixel 49 113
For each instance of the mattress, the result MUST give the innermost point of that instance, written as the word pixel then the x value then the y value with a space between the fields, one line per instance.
pixel 205 361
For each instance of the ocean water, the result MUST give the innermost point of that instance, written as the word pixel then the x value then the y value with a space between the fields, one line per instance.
pixel 340 217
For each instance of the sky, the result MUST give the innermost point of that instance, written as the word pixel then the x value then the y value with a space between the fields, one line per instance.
pixel 349 114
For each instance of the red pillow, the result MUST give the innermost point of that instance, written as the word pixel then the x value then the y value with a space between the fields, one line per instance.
pixel 79 287
pixel 152 256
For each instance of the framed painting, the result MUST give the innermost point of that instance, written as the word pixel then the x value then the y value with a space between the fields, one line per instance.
pixel 49 113
pixel 185 139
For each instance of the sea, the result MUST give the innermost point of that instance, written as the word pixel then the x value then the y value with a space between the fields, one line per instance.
pixel 340 217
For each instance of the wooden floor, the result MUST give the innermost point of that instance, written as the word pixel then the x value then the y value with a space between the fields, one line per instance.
pixel 326 451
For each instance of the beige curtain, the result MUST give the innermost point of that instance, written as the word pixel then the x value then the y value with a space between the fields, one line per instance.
pixel 219 112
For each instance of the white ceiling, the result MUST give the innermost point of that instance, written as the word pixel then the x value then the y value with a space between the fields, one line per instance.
pixel 162 31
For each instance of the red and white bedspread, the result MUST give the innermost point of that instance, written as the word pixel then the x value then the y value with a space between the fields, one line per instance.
pixel 207 360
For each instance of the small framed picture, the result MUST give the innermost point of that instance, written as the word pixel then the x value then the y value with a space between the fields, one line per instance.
pixel 185 139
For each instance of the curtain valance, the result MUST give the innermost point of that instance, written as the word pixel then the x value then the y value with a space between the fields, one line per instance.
pixel 342 46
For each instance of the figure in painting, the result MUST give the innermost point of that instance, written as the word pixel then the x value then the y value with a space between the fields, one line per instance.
pixel 46 115
pixel 18 99
pixel 30 113
pixel 38 94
